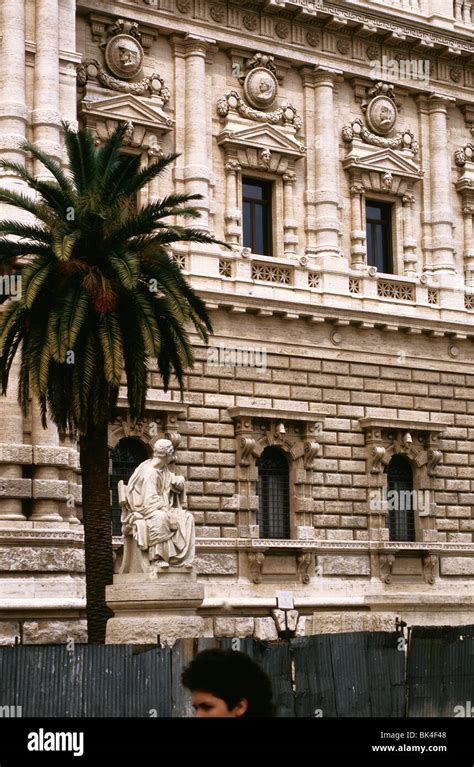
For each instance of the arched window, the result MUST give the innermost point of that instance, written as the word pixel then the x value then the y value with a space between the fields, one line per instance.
pixel 126 456
pixel 273 490
pixel 401 519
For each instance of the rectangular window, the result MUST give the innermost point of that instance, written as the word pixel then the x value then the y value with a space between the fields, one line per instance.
pixel 379 235
pixel 257 215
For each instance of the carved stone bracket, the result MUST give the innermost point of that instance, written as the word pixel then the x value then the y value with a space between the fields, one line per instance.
pixel 430 562
pixel 311 452
pixel 305 560
pixel 378 454
pixel 418 440
pixel 292 430
pixel 247 450
pixel 256 560
pixel 161 421
pixel 386 562
pixel 434 457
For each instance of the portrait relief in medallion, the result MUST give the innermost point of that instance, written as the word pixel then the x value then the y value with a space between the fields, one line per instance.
pixel 124 56
pixel 260 87
pixel 381 115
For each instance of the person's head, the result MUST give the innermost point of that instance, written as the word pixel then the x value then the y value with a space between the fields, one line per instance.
pixel 227 683
pixel 162 452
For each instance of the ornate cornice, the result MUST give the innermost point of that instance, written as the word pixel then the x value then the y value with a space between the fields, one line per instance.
pixel 314 15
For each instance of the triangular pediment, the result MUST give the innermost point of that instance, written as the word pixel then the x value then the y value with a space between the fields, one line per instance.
pixel 125 107
pixel 384 160
pixel 262 136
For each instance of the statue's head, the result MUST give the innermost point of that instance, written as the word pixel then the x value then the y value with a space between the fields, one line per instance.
pixel 163 450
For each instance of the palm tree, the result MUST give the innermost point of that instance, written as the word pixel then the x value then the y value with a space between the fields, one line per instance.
pixel 101 297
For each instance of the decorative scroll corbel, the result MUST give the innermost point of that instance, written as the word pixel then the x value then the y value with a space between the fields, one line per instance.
pixel 305 561
pixel 256 560
pixel 247 448
pixel 386 562
pixel 311 450
pixel 434 457
pixel 174 437
pixel 378 453
pixel 430 562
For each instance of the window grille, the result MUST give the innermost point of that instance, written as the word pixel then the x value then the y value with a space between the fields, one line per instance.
pixel 400 506
pixel 273 490
pixel 126 456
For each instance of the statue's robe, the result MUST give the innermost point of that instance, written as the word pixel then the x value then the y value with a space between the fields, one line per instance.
pixel 164 528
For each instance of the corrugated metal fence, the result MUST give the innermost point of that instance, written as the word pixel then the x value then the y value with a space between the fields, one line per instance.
pixel 334 675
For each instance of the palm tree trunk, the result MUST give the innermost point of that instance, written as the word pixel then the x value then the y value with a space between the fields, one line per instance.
pixel 97 518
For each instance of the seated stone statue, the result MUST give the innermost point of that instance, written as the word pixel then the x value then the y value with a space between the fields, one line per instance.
pixel 153 514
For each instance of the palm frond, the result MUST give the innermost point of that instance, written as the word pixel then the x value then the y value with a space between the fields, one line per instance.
pixel 111 344
pixel 51 193
pixel 41 270
pixel 82 158
pixel 145 175
pixel 52 165
pixel 29 231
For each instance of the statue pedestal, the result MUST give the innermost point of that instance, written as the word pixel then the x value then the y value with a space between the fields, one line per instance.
pixel 156 607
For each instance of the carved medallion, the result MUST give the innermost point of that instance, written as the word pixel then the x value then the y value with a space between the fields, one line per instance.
pixel 260 87
pixel 124 56
pixel 381 115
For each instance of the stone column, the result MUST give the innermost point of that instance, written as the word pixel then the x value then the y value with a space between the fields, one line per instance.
pixel 410 260
pixel 442 244
pixel 197 172
pixel 45 508
pixel 68 59
pixel 468 213
pixel 13 118
pixel 425 183
pixel 233 216
pixel 11 441
pixel 326 153
pixel 153 154
pixel 358 248
pixel 13 109
pixel 290 225
pixel 307 77
pixel 45 117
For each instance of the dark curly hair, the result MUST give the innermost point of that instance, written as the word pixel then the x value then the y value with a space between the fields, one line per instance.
pixel 231 676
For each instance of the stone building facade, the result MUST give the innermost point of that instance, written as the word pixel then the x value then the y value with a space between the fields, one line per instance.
pixel 327 433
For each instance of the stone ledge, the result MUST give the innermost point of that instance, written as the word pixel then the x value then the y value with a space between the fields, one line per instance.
pixel 41 559
pixel 15 488
pixel 399 424
pixel 247 411
pixel 11 453
pixel 57 489
pixel 37 537
pixel 54 456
